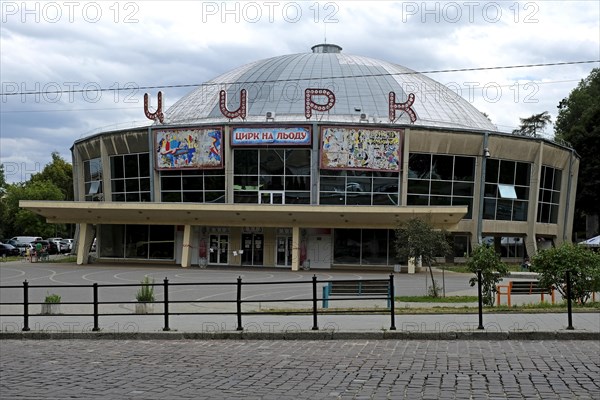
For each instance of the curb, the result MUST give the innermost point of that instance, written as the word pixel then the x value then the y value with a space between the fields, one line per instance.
pixel 304 335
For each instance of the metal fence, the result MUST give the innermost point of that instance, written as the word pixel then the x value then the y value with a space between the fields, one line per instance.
pixel 94 290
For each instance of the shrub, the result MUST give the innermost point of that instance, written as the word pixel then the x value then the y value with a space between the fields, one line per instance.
pixel 583 264
pixel 52 299
pixel 145 293
pixel 484 258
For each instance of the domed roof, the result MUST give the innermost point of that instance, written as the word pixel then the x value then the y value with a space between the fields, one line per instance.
pixel 361 86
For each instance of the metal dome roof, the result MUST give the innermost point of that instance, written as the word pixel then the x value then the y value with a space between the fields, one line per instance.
pixel 361 86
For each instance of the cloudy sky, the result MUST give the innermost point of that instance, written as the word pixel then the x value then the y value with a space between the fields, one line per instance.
pixel 87 65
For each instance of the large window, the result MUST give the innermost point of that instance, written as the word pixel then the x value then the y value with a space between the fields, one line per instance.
pixel 359 188
pixel 364 246
pixel 192 186
pixel 137 241
pixel 92 172
pixel 260 173
pixel 506 190
pixel 549 195
pixel 130 177
pixel 441 180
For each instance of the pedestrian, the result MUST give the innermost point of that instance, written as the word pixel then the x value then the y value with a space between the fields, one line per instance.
pixel 526 265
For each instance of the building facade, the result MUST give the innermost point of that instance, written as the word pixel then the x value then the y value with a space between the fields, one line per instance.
pixel 313 159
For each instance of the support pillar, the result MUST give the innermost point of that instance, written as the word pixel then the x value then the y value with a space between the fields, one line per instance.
pixel 84 242
pixel 186 253
pixel 295 248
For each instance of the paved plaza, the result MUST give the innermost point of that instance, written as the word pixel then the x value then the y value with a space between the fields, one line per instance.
pixel 334 369
pixel 365 361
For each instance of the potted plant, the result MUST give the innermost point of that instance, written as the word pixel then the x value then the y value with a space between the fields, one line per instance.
pixel 145 296
pixel 51 304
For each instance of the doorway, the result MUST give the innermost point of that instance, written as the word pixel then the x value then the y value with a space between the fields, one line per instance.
pixel 218 250
pixel 253 247
pixel 284 251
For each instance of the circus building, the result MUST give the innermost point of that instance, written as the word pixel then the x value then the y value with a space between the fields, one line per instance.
pixel 313 159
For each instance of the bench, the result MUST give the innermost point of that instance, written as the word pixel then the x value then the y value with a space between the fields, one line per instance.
pixel 522 288
pixel 374 289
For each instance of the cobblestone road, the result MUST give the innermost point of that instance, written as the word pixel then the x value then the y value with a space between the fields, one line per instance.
pixel 387 369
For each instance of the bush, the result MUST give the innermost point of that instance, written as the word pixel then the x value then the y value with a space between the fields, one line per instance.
pixel 52 299
pixel 145 293
pixel 484 258
pixel 583 264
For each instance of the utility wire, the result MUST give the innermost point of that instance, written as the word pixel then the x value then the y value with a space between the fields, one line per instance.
pixel 303 79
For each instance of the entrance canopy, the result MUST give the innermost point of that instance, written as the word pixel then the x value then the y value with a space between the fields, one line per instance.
pixel 326 216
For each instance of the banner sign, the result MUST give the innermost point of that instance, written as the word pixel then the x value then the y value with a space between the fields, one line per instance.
pixel 189 148
pixel 358 148
pixel 295 136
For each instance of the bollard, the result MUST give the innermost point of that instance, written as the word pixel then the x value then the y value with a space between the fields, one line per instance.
pixel 96 328
pixel 569 305
pixel 166 304
pixel 391 303
pixel 239 304
pixel 26 306
pixel 315 327
pixel 480 299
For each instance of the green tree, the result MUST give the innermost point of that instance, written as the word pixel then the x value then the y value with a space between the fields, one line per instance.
pixel 534 125
pixel 25 222
pixel 484 258
pixel 60 173
pixel 578 123
pixel 417 238
pixel 584 266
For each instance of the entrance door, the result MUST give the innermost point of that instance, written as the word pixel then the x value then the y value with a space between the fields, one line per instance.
pixel 319 251
pixel 218 250
pixel 284 250
pixel 253 246
pixel 271 197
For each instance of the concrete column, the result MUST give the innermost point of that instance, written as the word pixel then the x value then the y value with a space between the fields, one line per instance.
pixel 84 242
pixel 295 248
pixel 186 253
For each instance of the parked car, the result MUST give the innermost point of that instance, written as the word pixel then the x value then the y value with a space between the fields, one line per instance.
pixel 8 250
pixel 26 239
pixel 23 248
pixel 66 245
pixel 51 246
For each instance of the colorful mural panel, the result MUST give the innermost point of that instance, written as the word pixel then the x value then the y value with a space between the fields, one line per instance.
pixel 358 148
pixel 189 148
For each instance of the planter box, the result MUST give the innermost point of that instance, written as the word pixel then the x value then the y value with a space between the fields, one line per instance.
pixel 50 308
pixel 144 308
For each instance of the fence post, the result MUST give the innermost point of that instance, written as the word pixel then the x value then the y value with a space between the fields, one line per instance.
pixel 391 303
pixel 26 306
pixel 480 299
pixel 239 304
pixel 314 293
pixel 166 306
pixel 96 328
pixel 569 305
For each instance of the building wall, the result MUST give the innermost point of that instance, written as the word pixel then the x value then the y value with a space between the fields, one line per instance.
pixel 538 153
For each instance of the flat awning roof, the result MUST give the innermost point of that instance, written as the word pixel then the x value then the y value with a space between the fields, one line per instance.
pixel 240 215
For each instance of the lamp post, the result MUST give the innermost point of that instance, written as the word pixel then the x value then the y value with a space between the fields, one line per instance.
pixel 485 155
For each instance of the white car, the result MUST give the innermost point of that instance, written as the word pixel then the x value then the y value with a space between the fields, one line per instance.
pixel 66 245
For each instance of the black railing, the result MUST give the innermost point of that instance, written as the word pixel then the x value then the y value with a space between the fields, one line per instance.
pixel 238 301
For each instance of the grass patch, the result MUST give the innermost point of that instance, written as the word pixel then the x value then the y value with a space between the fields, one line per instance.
pixel 428 299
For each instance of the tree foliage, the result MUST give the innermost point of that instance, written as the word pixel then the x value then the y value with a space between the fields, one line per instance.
pixel 584 266
pixel 484 258
pixel 578 123
pixel 60 173
pixel 534 125
pixel 54 182
pixel 417 238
